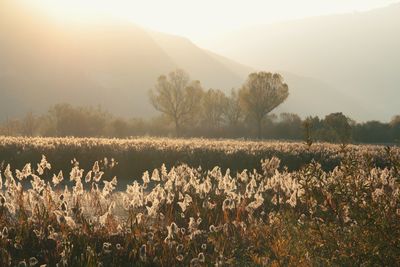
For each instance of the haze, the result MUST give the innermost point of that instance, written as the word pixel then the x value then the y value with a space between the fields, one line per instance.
pixel 200 21
pixel 106 52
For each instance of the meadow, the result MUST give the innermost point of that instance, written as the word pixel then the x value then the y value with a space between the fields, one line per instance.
pixel 136 155
pixel 211 203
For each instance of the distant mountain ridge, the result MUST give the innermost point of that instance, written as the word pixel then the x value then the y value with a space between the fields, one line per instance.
pixel 114 64
pixel 356 54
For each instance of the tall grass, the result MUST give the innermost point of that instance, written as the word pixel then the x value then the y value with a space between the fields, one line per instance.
pixel 184 216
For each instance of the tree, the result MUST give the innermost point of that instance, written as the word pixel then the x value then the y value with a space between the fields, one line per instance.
pixel 289 126
pixel 29 124
pixel 232 111
pixel 338 127
pixel 395 125
pixel 177 97
pixel 213 105
pixel 262 93
pixel 120 128
pixel 66 120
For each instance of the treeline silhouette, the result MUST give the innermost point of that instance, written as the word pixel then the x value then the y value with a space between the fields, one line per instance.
pixel 188 110
pixel 67 120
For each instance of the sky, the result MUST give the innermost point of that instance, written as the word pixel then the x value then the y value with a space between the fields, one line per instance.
pixel 199 20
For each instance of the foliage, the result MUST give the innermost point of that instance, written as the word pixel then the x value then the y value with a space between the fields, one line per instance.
pixel 140 154
pixel 193 217
pixel 208 122
pixel 213 107
pixel 177 97
pixel 339 127
pixel 261 94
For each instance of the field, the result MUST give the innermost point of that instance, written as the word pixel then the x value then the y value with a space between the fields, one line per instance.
pixel 175 202
pixel 135 156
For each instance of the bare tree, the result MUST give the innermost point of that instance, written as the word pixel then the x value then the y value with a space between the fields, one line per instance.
pixel 232 110
pixel 213 105
pixel 262 92
pixel 177 97
pixel 11 127
pixel 29 124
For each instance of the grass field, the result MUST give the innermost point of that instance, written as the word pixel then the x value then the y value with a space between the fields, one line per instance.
pixel 266 204
pixel 135 156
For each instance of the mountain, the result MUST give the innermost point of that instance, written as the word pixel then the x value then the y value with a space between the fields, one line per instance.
pixel 356 55
pixel 112 63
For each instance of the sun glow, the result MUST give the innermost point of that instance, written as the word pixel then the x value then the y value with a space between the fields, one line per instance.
pixel 72 10
pixel 197 20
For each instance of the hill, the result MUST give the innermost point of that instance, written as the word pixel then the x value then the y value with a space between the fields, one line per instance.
pixel 356 55
pixel 115 63
pixel 112 63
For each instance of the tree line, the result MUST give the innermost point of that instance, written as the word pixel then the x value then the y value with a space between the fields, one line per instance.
pixel 187 110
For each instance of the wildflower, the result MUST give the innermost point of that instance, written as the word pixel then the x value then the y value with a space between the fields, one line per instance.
pixel 172 230
pixel 185 203
pixel 146 179
pixel 183 231
pixel 33 261
pixel 179 248
pixel 107 247
pixel 50 229
pixel 76 174
pixel 27 170
pixel 88 177
pixel 192 225
pixel 4 233
pixel 2 200
pixel 259 200
pixel 164 173
pixel 212 228
pixel 60 217
pixel 57 179
pixel 37 233
pixel 377 194
pixel 292 201
pixel 155 176
pixel 97 176
pixel 40 170
pixel 44 164
pixel 139 217
pixel 194 262
pixel 228 204
pixel 201 257
pixel 96 167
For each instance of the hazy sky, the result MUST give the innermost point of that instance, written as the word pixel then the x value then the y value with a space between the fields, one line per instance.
pixel 201 19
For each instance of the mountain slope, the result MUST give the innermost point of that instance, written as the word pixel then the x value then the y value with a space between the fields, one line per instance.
pixel 113 64
pixel 356 54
